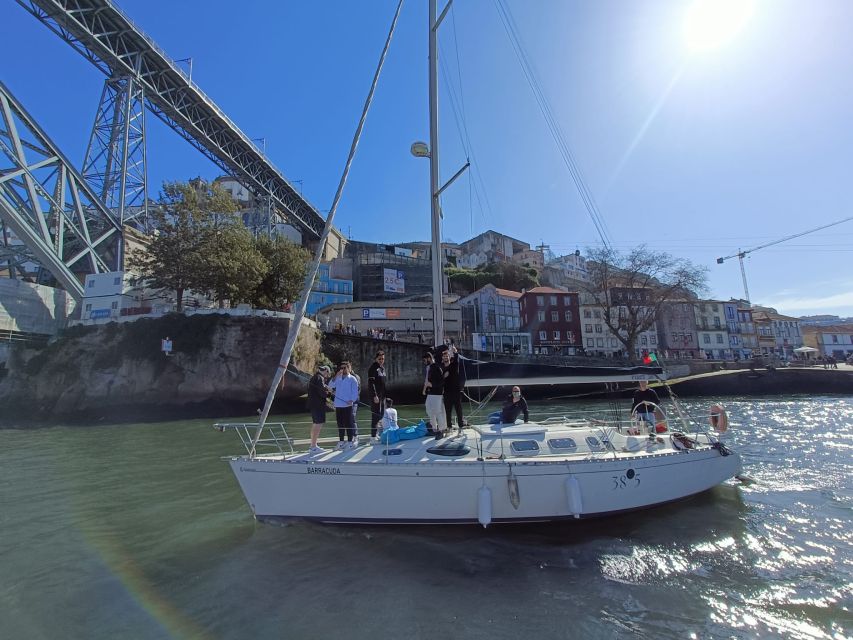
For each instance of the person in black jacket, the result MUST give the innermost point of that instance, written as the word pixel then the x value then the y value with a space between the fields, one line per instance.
pixel 515 405
pixel 641 397
pixel 376 390
pixel 434 392
pixel 453 386
pixel 318 393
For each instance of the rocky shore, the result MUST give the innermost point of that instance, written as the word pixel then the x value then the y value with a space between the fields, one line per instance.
pixel 219 366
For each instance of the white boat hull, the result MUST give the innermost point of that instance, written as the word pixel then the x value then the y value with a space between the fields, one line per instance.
pixel 366 487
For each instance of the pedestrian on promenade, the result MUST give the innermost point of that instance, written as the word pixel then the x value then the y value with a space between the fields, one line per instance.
pixel 318 394
pixel 346 397
pixel 376 390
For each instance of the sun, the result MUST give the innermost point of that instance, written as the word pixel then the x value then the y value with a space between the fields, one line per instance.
pixel 709 24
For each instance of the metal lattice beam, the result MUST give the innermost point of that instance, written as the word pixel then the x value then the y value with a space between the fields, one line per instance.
pixel 106 37
pixel 115 161
pixel 48 206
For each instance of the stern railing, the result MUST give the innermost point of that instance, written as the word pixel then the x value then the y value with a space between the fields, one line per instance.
pixel 273 441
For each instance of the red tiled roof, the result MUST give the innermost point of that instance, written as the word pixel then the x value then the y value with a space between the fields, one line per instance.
pixel 509 293
pixel 545 290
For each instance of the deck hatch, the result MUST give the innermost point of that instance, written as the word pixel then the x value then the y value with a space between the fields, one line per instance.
pixel 562 444
pixel 524 446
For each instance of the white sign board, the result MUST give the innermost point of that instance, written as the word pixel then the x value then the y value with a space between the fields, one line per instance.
pixel 373 314
pixel 395 281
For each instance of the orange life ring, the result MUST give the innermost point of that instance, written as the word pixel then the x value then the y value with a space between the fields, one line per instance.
pixel 718 418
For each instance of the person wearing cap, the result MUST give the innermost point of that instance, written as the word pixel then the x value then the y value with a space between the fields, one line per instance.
pixel 318 392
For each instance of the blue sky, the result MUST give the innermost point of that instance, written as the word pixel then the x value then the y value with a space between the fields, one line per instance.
pixel 698 154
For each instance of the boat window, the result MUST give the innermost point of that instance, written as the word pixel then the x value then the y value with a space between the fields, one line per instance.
pixel 593 443
pixel 562 443
pixel 525 446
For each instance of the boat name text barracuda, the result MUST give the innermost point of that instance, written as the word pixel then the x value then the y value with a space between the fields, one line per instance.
pixel 333 471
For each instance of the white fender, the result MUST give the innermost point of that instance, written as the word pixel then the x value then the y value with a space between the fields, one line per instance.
pixel 484 506
pixel 573 494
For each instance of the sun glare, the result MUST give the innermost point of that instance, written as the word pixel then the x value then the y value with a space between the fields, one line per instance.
pixel 710 24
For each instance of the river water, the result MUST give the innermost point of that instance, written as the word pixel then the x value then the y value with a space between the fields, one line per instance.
pixel 140 531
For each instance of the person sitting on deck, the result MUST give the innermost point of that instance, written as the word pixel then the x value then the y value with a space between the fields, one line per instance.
pixel 515 405
pixel 389 418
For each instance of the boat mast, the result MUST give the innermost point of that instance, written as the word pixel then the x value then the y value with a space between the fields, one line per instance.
pixel 435 206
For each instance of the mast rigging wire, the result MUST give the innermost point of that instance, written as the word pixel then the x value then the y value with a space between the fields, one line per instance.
pixel 302 304
pixel 553 126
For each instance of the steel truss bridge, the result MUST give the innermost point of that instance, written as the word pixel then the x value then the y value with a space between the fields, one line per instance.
pixel 111 190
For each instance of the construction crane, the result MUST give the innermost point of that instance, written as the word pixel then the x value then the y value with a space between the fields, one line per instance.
pixel 740 255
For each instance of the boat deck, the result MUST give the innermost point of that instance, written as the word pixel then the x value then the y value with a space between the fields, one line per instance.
pixel 526 443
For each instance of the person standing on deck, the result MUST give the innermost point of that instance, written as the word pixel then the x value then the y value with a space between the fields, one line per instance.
pixel 355 404
pixel 642 396
pixel 452 386
pixel 434 392
pixel 318 393
pixel 346 396
pixel 376 391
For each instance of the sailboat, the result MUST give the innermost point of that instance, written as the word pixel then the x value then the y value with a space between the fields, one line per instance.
pixel 555 469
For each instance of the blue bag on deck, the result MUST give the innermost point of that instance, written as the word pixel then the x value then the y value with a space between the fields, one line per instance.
pixel 389 436
pixel 410 433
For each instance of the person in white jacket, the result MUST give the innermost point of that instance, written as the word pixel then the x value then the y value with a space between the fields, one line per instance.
pixel 346 396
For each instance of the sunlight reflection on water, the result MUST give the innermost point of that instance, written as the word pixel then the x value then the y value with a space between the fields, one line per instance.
pixel 153 529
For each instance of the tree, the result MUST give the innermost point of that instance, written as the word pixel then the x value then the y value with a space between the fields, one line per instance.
pixel 287 265
pixel 631 288
pixel 229 266
pixel 185 212
pixel 505 275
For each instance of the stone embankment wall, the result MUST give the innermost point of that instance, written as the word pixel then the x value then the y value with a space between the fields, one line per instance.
pixel 220 366
pixel 403 362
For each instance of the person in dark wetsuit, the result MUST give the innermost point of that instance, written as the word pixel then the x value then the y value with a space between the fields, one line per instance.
pixel 641 395
pixel 515 405
pixel 376 390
